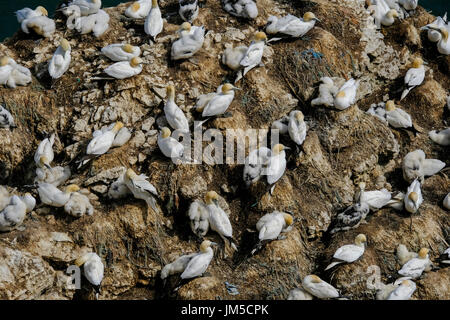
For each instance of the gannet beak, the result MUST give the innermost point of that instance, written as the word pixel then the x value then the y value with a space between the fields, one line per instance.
pixel 236 88
pixel 424 62
pixel 214 244
pixel 287 148
pixel 48 166
pixel 318 20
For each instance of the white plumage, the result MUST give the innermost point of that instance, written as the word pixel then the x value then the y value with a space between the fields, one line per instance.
pixel 375 199
pixel 383 14
pixel 414 76
pixel 52 196
pixel 174 115
pixel 118 189
pixel 93 268
pixel 5 197
pixel 254 54
pixel 41 25
pixel 5 70
pixel 350 252
pixel 78 205
pixel 297 127
pixel 97 23
pixel 102 139
pixel 189 43
pixel 409 4
pixel 281 125
pixel 44 154
pixel 55 175
pixel 198 264
pixel 327 90
pixel 6 119
pixel 121 52
pixel 177 266
pixel 199 218
pixel 319 288
pixel 188 10
pixel 232 57
pixel 139 9
pixel 415 166
pixel 397 117
pixel 442 137
pixel 413 198
pixel 290 25
pixel 87 7
pixel 241 8
pixel 299 294
pixel 153 24
pixel 27 13
pixel 60 60
pixel 169 146
pixel 255 163
pixel 446 201
pixel 432 34
pixel 125 69
pixel 141 188
pixel 220 102
pixel 13 214
pixel 13 74
pixel 204 99
pixel 276 165
pixel 346 95
pixel 416 266
pixel 122 137
pixel 404 255
pixel 404 291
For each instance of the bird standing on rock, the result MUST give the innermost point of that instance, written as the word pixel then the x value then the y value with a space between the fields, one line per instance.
pixel 350 252
pixel 60 60
pixel 153 24
pixel 414 76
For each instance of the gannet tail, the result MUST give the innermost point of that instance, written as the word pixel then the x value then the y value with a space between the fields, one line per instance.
pixel 331 265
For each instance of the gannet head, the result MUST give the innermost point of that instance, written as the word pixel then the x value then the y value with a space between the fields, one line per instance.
pixel 170 91
pixel 340 94
pixel 43 162
pixel 278 148
pixel 228 87
pixel 130 174
pixel 362 185
pixel 315 279
pixel 72 188
pixel 127 48
pixel 288 219
pixel 390 105
pixel 205 245
pixel 154 3
pixel 165 132
pixel 260 36
pixel 211 196
pixel 96 1
pixel 308 16
pixel 136 61
pixel 360 239
pixel 444 33
pixel 406 283
pixel 42 10
pixel 135 6
pixel 299 116
pixel 64 44
pixel 392 13
pixel 185 26
pixel 417 63
pixel 117 126
pixel 423 253
pixel 4 61
pixel 82 260
pixel 413 196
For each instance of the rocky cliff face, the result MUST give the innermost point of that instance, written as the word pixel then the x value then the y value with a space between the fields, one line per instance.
pixel 342 148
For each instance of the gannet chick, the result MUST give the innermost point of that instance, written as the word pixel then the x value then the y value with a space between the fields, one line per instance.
pixel 55 175
pixel 415 166
pixel 241 8
pixel 270 226
pixel 41 25
pixel 299 294
pixel 374 199
pixel 409 4
pixel 383 14
pixel 444 258
pixel 253 56
pixel 277 164
pixel 141 188
pixel 174 115
pixel 414 76
pixel 14 74
pixel 153 24
pixel 434 35
pixel 27 13
pixel 14 212
pixel 290 25
pixel 281 125
pixel 403 255
pixel 73 15
pixel 446 201
pixel 122 137
pixel 232 57
pixel 188 10
pixel 442 137
pixel 52 196
pixel 350 218
pixel 297 127
pixel 415 267
pixel 44 154
pixel 97 23
pixel 169 146
pixel 5 70
pixel 378 111
pixel 350 252
pixel 396 117
pixel 204 99
pixel 78 205
pixel 219 104
pixel 200 262
pixel 60 60
pixel 6 119
pixel 327 91
pixel 397 201
pixel 189 43
pixel 118 189
pixel 218 219
pixel 199 218
pixel 5 197
pixel 87 7
pixel 177 266
pixel 102 140
pixel 404 291
pixel 346 95
pixel 125 69
pixel 93 269
pixel 319 288
pixel 139 9
pixel 255 163
pixel 413 198
pixel 121 52
pixel 443 44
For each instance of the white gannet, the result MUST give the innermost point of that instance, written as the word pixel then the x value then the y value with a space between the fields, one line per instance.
pixel 41 25
pixel 188 10
pixel 415 166
pixel 350 218
pixel 97 23
pixel 442 137
pixel 375 199
pixel 118 189
pixel 232 58
pixel 55 175
pixel 93 269
pixel 189 43
pixel 60 60
pixel 169 146
pixel 78 205
pixel 125 69
pixel 204 99
pixel 220 102
pixel 297 127
pixel 5 197
pixel 121 52
pixel 174 115
pixel 299 294
pixel 327 91
pixel 281 125
pixel 346 96
pixel 384 290
pixel 383 14
pixel 255 163
pixel 177 266
pixel 277 164
pixel 416 266
pixel 446 201
pixel 199 218
pixel 414 76
pixel 397 117
pixel 290 25
pixel 413 198
pixel 73 15
pixel 44 153
pixel 139 9
pixel 6 119
pixel 87 7
pixel 350 252
pixel 319 288
pixel 270 226
pixel 5 70
pixel 52 196
pixel 397 201
pixel 378 111
pixel 121 137
pixel 434 35
pixel 141 188
pixel 241 8
pixel 13 74
pixel 403 292
pixel 218 219
pixel 443 44
pixel 13 214
pixel 409 4
pixel 153 24
pixel 198 264
pixel 102 140
pixel 27 13
pixel 403 255
pixel 254 54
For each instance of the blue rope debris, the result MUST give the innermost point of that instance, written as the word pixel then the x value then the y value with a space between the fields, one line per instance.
pixel 231 288
pixel 309 53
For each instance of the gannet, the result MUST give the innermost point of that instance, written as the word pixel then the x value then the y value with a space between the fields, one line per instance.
pixel 397 201
pixel 297 127
pixel 218 219
pixel 189 43
pixel 375 199
pixel 350 252
pixel 93 269
pixel 139 9
pixel 153 24
pixel 141 188
pixel 6 119
pixel 383 14
pixel 397 117
pixel 5 70
pixel 199 218
pixel 13 214
pixel 55 175
pixel 174 115
pixel 54 197
pixel 270 226
pixel 416 266
pixel 219 103
pixel 384 290
pixel 241 8
pixel 443 44
pixel 44 154
pixel 327 91
pixel 125 69
pixel 446 201
pixel 102 140
pixel 41 25
pixel 378 111
pixel 434 35
pixel 73 15
pixel 346 95
pixel 414 76
pixel 118 189
pixel 14 73
pixel 253 56
pixel 121 137
pixel 169 146
pixel 60 60
pixel 415 166
pixel 177 266
pixel 281 125
pixel 97 23
pixel 413 198
pixel 403 255
pixel 277 164
pixel 255 163
pixel 78 205
pixel 444 258
pixel 299 294
pixel 319 288
pixel 442 137
pixel 232 58
pixel 350 218
pixel 121 52
pixel 404 291
pixel 87 7
pixel 27 13
pixel 204 99
pixel 290 25
pixel 188 10
pixel 5 197
pixel 409 4
pixel 200 262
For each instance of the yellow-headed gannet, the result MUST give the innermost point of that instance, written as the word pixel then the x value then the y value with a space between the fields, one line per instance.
pixel 6 119
pixel 277 164
pixel 121 137
pixel 199 218
pixel 60 60
pixel 290 25
pixel 350 252
pixel 189 43
pixel 27 13
pixel 54 197
pixel 78 205
pixel 375 199
pixel 346 96
pixel 103 139
pixel 177 266
pixel 169 146
pixel 121 52
pixel 404 291
pixel 384 290
pixel 254 54
pixel 93 269
pixel 270 226
pixel 443 44
pixel 14 213
pixel 297 127
pixel 397 117
pixel 281 125
pixel 415 166
pixel 197 266
pixel 327 91
pixel 220 102
pixel 153 24
pixel 188 10
pixel 125 69
pixel 118 188
pixel 409 4
pixel 97 23
pixel 19 75
pixel 55 175
pixel 255 163
pixel 141 188
pixel 139 9
pixel 383 14
pixel 174 115
pixel 446 201
pixel 299 294
pixel 44 154
pixel 416 266
pixel 414 76
pixel 413 198
pixel 41 25
pixel 87 7
pixel 403 255
pixel 241 8
pixel 5 197
pixel 204 99
pixel 434 35
pixel 5 70
pixel 319 288
pixel 442 137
